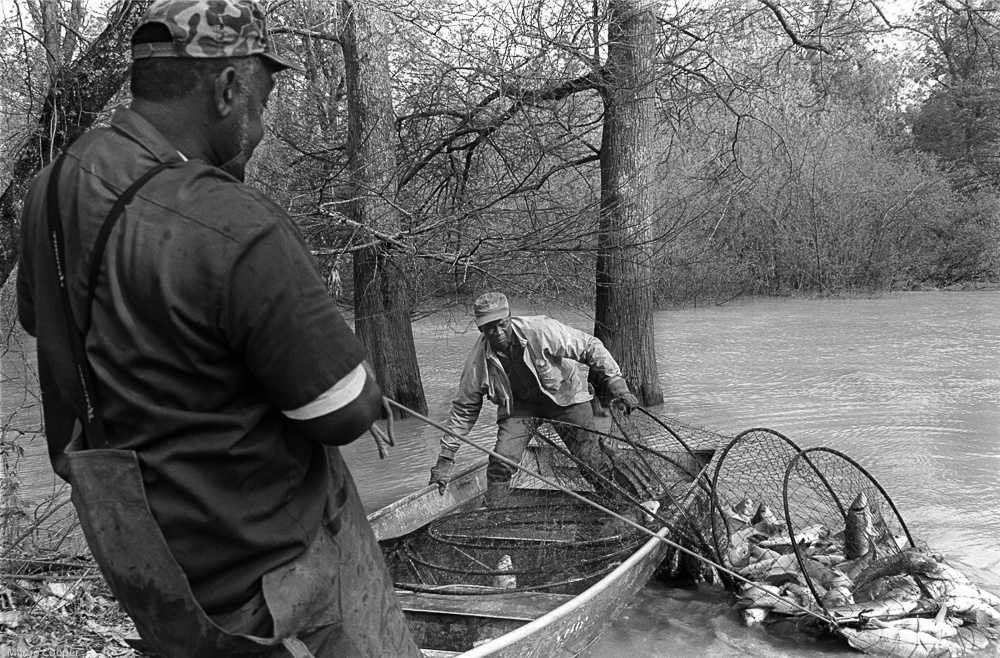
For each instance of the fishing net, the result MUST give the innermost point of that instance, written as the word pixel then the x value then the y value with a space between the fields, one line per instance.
pixel 544 539
pixel 659 432
pixel 772 515
pixel 885 594
pixel 694 533
pixel 844 518
pixel 746 495
pixel 838 557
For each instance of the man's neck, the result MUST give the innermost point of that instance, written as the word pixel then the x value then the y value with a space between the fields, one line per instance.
pixel 179 125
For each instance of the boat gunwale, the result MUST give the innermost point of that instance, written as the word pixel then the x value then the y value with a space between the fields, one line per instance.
pixel 521 632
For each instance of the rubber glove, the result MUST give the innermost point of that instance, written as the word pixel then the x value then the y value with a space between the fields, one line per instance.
pixel 621 397
pixel 441 473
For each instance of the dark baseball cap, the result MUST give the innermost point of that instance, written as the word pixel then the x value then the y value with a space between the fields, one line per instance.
pixel 209 29
pixel 490 307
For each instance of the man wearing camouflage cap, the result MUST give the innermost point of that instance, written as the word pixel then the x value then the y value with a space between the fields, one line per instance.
pixel 529 366
pixel 215 372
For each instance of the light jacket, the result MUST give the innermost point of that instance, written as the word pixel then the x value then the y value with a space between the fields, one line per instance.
pixel 552 351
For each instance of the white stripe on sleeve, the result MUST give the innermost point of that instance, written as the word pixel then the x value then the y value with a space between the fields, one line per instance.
pixel 338 396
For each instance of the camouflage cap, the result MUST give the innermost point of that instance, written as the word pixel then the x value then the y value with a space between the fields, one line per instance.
pixel 209 29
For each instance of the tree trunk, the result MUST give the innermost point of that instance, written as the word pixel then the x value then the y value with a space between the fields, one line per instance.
pixel 624 312
pixel 81 92
pixel 381 298
pixel 49 14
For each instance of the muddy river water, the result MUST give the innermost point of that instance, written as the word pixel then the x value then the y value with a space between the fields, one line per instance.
pixel 906 384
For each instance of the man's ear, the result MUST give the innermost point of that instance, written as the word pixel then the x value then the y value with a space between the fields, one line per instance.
pixel 224 91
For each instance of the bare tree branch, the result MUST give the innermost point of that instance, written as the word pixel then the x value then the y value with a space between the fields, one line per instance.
pixel 792 34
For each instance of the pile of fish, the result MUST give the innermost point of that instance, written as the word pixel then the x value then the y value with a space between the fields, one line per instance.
pixel 885 596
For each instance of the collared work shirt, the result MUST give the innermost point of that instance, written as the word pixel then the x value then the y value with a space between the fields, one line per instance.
pixel 210 318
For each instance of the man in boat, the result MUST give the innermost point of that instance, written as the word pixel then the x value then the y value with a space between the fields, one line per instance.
pixel 530 368
pixel 224 374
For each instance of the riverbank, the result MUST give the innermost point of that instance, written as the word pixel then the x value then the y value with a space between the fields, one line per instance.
pixel 65 611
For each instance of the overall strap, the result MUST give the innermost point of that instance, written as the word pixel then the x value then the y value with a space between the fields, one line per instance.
pixel 93 424
pixel 102 238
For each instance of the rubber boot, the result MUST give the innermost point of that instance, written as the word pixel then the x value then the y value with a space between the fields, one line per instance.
pixel 497 493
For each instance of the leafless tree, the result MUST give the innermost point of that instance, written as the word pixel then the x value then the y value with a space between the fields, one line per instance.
pixel 78 93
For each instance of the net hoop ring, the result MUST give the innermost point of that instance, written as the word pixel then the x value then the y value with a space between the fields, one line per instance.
pixel 810 457
pixel 721 530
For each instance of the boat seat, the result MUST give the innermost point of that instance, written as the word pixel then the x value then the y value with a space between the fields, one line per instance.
pixel 516 606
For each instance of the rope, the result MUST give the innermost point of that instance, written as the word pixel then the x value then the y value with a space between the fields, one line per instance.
pixel 600 507
pixel 384 439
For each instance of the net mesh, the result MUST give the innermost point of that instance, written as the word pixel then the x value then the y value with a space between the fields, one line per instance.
pixel 849 521
pixel 543 539
pixel 819 547
pixel 747 490
pixel 693 535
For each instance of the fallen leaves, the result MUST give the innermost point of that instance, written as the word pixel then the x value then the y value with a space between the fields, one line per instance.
pixel 10 618
pixel 66 616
